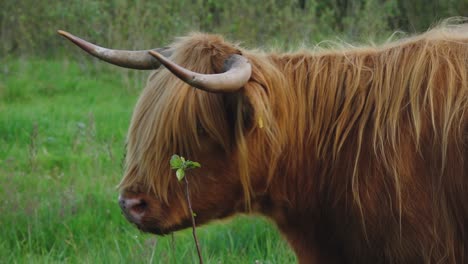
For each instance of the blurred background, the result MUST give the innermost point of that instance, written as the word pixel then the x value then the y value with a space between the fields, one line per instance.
pixel 64 116
pixel 28 27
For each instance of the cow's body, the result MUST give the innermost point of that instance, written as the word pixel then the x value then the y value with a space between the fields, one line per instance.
pixel 358 155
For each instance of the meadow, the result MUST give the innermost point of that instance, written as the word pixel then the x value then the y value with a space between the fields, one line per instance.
pixel 62 136
pixel 64 116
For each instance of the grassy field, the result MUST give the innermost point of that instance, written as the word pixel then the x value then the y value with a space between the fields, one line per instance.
pixel 62 130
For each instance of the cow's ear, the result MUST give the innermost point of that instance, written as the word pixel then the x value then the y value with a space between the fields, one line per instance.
pixel 247 113
pixel 239 111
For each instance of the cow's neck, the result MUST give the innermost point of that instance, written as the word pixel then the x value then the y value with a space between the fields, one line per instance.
pixel 300 229
pixel 303 244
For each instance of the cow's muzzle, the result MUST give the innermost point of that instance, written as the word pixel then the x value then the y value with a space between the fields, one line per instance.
pixel 133 208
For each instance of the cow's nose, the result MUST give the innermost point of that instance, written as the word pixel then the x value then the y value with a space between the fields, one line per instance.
pixel 133 208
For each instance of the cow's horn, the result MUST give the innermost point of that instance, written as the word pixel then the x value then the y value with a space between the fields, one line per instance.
pixel 138 59
pixel 237 72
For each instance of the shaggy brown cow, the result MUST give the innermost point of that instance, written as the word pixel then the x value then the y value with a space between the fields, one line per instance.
pixel 359 155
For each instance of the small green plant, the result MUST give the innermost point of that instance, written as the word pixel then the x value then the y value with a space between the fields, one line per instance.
pixel 179 164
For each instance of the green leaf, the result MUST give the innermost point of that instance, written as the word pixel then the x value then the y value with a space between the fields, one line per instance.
pixel 183 159
pixel 180 174
pixel 194 214
pixel 176 162
pixel 192 164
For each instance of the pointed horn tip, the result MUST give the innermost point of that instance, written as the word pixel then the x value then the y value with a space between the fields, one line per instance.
pixel 163 60
pixel 155 54
pixel 65 34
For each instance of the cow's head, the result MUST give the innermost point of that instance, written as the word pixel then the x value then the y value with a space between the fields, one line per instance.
pixel 210 104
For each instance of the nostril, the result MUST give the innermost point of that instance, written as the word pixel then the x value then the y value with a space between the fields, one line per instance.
pixel 121 202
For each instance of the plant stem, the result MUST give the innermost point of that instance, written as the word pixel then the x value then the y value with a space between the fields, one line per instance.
pixel 187 195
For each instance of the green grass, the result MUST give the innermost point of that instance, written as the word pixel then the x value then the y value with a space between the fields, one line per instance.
pixel 62 130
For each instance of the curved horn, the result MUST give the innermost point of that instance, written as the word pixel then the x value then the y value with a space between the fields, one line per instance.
pixel 237 72
pixel 139 59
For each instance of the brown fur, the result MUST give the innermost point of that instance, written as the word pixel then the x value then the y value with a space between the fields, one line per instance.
pixel 359 155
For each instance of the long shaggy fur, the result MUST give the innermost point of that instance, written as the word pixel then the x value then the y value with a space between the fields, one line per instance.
pixel 371 142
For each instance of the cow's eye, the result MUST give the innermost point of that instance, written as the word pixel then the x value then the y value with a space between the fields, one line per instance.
pixel 200 129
